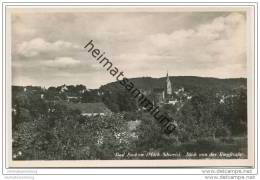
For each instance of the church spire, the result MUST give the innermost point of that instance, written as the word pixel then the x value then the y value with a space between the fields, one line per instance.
pixel 168 85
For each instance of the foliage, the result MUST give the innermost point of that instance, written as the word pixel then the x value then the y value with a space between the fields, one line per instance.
pixel 44 128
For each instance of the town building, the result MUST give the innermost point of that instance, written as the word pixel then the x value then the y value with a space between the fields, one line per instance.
pixel 90 109
pixel 163 95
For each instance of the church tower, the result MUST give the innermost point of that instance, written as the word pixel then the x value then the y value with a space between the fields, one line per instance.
pixel 168 86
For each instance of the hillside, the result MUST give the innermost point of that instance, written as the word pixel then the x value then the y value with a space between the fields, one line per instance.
pixel 117 99
pixel 190 83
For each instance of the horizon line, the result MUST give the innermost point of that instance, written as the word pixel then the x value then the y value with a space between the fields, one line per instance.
pixel 128 78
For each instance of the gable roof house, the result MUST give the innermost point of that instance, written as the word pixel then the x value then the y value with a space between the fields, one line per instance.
pixel 91 109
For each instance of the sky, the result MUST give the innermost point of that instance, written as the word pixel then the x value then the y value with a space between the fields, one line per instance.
pixel 48 47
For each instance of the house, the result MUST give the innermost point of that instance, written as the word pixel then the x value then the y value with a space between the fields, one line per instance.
pixel 173 102
pixel 90 109
pixel 63 88
pixel 72 98
pixel 132 126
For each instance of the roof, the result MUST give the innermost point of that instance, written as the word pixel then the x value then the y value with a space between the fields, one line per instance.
pixel 89 107
pixel 132 125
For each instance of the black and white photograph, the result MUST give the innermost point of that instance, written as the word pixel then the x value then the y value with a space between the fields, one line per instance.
pixel 130 84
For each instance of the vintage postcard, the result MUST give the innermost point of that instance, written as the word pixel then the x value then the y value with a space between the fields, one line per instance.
pixel 147 86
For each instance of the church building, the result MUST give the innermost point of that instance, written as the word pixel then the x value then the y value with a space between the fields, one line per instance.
pixel 163 95
pixel 168 94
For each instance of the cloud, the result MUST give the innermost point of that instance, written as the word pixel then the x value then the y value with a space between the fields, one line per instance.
pixel 60 62
pixel 221 42
pixel 216 48
pixel 50 45
pixel 38 45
